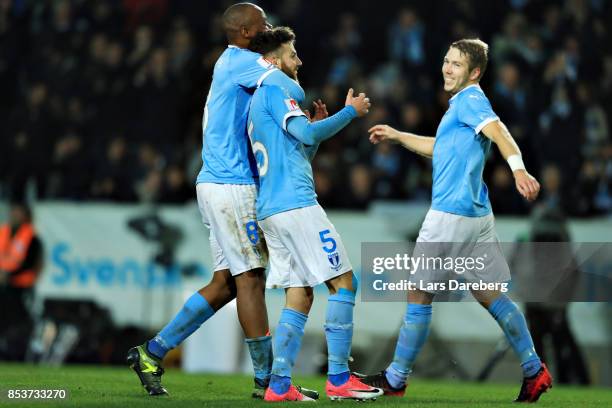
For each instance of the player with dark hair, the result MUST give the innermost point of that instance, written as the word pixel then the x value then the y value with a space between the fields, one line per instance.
pixel 305 248
pixel 461 212
pixel 226 191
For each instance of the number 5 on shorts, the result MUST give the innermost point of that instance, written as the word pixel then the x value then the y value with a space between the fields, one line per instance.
pixel 326 241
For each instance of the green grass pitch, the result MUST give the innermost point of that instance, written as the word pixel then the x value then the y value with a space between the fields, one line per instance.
pixel 92 386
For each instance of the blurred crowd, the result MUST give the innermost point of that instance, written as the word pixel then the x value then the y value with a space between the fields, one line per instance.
pixel 103 99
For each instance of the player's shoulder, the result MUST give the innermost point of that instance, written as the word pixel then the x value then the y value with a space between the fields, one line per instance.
pixel 259 96
pixel 273 97
pixel 243 56
pixel 273 92
pixel 264 95
pixel 473 97
pixel 473 93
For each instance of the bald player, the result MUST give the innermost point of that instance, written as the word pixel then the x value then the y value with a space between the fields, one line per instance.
pixel 226 190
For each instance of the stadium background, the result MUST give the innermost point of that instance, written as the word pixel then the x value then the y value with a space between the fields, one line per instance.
pixel 101 110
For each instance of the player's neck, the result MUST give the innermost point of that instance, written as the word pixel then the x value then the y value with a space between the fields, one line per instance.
pixel 467 85
pixel 240 43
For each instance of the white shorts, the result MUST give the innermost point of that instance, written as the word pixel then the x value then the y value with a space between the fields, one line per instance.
pixel 440 226
pixel 445 235
pixel 236 241
pixel 305 248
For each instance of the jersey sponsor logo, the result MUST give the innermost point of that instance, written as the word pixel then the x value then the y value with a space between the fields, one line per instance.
pixel 292 105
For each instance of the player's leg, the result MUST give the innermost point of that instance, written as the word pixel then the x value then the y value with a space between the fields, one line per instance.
pixel 410 341
pixel 339 334
pixel 339 326
pixel 230 211
pixel 251 302
pixel 417 318
pixel 253 316
pixel 287 271
pixel 537 379
pixel 287 343
pixel 200 307
pixel 146 359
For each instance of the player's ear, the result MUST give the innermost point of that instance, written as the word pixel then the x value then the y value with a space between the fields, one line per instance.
pixel 475 74
pixel 274 60
pixel 244 32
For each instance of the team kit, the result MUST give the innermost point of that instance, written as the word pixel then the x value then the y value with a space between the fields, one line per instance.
pixel 257 197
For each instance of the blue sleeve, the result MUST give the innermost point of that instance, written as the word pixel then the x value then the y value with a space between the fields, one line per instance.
pixel 249 69
pixel 314 133
pixel 292 88
pixel 475 111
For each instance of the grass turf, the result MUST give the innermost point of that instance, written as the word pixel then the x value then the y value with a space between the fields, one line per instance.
pixel 92 386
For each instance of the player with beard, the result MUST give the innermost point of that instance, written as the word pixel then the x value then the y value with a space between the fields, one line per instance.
pixel 226 190
pixel 305 248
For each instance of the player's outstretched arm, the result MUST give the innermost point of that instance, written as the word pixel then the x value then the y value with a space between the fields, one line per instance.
pixel 526 184
pixel 313 133
pixel 422 145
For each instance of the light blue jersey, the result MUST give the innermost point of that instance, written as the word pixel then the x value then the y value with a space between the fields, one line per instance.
pixel 226 154
pixel 459 155
pixel 284 142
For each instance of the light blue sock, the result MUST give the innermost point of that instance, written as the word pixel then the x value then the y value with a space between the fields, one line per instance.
pixel 513 323
pixel 195 311
pixel 339 334
pixel 412 336
pixel 260 349
pixel 287 342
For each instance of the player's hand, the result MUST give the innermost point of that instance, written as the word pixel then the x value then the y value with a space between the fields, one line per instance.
pixel 526 185
pixel 320 111
pixel 379 133
pixel 361 103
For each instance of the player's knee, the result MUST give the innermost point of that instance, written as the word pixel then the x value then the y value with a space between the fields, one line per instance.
pixel 222 277
pixel 300 299
pixel 345 281
pixel 420 297
pixel 486 297
pixel 251 281
pixel 309 298
pixel 221 289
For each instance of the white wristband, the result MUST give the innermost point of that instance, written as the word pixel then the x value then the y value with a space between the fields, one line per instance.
pixel 516 162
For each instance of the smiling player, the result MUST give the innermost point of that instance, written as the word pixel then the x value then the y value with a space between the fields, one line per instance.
pixel 461 212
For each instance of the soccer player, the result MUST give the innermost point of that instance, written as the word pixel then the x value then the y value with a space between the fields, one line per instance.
pixel 226 192
pixel 305 249
pixel 461 211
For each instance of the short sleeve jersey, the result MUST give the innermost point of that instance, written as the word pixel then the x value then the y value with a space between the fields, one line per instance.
pixel 285 172
pixel 459 155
